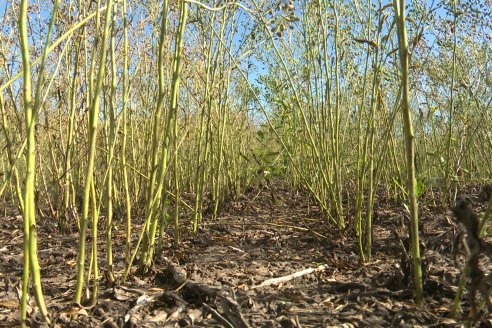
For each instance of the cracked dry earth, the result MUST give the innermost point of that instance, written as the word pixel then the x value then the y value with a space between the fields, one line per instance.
pixel 221 276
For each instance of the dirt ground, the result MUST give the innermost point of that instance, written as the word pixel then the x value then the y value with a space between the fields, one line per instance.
pixel 220 277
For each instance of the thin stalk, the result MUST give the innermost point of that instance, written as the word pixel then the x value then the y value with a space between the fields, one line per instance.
pixel 110 155
pixel 158 164
pixel 451 105
pixel 399 6
pixel 93 122
pixel 128 205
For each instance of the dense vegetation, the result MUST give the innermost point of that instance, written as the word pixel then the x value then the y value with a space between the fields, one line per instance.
pixel 155 115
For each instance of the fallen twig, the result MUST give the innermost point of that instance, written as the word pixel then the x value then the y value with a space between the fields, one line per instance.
pixel 276 281
pixel 233 312
pixel 217 316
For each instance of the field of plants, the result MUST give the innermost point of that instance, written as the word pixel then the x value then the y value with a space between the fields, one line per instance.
pixel 255 163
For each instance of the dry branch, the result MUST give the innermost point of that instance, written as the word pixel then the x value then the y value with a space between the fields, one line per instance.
pixel 276 281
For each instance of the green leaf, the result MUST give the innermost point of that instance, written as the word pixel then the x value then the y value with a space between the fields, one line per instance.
pixel 406 208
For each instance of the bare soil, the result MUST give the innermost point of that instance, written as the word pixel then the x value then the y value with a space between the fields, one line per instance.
pixel 216 278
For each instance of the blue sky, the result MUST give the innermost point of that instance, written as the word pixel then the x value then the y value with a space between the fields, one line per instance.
pixel 260 67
